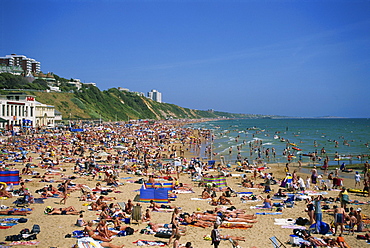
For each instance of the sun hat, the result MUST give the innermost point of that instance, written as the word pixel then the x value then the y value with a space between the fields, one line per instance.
pixel 359 209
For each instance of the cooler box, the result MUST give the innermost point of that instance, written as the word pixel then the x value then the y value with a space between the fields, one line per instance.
pixel 294 240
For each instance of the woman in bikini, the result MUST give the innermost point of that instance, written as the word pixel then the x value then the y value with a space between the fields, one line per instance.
pixel 193 221
pixel 175 224
pixel 90 232
pixel 103 230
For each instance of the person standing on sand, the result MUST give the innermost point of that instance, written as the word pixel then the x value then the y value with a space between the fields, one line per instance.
pixel 175 224
pixel 357 179
pixel 339 219
pixel 344 198
pixel 215 236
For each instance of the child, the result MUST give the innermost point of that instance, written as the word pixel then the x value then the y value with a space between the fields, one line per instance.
pixel 352 223
pixel 146 216
pixel 80 221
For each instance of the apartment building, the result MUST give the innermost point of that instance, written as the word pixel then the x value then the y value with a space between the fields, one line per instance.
pixel 155 95
pixel 28 65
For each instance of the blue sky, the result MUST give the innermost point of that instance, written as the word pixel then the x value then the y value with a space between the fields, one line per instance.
pixel 294 58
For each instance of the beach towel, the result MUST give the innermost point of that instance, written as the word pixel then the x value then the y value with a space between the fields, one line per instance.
pixel 294 227
pixel 25 243
pixel 259 207
pixel 182 191
pixel 284 221
pixel 272 213
pixel 87 242
pixel 141 242
pixel 200 199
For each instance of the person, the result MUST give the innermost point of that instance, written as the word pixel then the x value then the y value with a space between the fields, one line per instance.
pixel 352 223
pixel 188 245
pixel 176 243
pixel 90 232
pixel 280 193
pixel 222 200
pixel 163 208
pixel 64 190
pixel 146 216
pixel 4 192
pixel 339 219
pixel 63 211
pixel 205 194
pixel 357 179
pixel 311 212
pixel 318 211
pixel 341 242
pixel 175 224
pixel 215 236
pixel 366 188
pixel 360 223
pixel 80 221
pixel 267 202
pixel 103 231
pixel 129 206
pixel 344 198
pixel 301 183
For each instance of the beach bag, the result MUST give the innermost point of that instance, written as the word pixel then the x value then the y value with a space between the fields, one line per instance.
pixel 163 234
pixel 22 220
pixel 35 229
pixel 25 231
pixel 129 231
pixel 17 237
pixel 302 221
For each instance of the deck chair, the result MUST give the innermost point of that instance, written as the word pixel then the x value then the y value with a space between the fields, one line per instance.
pixel 122 205
pixel 234 243
pixel 136 214
pixel 276 242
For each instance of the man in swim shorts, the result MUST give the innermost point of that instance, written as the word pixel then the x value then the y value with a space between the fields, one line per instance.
pixel 339 219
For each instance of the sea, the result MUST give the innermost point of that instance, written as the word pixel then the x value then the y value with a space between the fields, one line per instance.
pixel 346 139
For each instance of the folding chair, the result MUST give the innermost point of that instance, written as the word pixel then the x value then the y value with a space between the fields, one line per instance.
pixel 122 205
pixel 234 243
pixel 136 214
pixel 276 242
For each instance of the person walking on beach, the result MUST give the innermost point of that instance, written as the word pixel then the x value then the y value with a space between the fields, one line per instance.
pixel 357 179
pixel 175 224
pixel 215 236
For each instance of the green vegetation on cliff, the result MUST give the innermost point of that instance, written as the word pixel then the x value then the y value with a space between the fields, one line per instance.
pixel 110 105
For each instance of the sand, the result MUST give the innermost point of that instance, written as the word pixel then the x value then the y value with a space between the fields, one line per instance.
pixel 55 227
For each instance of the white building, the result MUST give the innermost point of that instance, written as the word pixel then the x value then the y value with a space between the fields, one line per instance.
pixel 20 109
pixel 44 115
pixel 155 95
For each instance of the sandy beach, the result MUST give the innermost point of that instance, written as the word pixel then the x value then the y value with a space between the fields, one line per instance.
pixel 54 228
